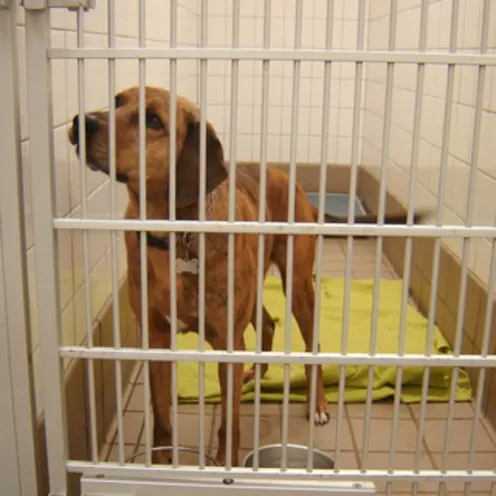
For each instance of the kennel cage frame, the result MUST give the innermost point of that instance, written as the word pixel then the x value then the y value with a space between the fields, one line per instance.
pixel 39 57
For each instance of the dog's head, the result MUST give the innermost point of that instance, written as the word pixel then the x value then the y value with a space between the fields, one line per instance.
pixel 157 144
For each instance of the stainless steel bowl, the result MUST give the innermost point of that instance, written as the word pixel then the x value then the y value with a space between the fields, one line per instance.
pixel 270 457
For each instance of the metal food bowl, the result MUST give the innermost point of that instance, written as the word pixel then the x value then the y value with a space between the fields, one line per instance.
pixel 270 457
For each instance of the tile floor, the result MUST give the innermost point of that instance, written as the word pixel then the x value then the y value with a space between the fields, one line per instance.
pixel 352 455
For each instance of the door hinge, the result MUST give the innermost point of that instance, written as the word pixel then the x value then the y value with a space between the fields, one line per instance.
pixel 64 4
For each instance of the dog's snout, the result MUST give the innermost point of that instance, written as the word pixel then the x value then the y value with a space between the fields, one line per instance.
pixel 91 126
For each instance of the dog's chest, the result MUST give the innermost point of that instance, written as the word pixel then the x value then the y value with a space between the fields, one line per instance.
pixel 187 271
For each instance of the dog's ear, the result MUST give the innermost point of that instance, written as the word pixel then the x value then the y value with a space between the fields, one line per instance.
pixel 188 165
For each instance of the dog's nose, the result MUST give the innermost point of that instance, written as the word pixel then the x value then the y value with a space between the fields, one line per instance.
pixel 91 126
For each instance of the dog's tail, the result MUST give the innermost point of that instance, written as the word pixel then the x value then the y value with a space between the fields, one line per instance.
pixel 393 218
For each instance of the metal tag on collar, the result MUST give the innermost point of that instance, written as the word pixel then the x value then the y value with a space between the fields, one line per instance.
pixel 187 266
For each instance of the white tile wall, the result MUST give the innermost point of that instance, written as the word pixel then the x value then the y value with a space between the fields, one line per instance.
pixel 433 108
pixel 67 168
pixel 282 35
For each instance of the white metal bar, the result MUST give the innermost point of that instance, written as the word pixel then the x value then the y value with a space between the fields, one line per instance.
pixel 172 256
pixel 469 214
pixel 419 94
pixel 213 473
pixel 145 332
pixel 255 227
pixel 261 237
pixel 202 195
pixel 10 469
pixel 90 366
pixel 386 135
pixel 41 147
pixel 439 221
pixel 279 357
pixel 113 234
pixel 320 240
pixel 260 54
pixel 295 103
pixel 482 373
pixel 231 253
pixel 19 462
pixel 492 265
pixel 381 215
pixel 355 138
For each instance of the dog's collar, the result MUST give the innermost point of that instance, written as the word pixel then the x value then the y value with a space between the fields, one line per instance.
pixel 186 238
pixel 163 243
pixel 155 242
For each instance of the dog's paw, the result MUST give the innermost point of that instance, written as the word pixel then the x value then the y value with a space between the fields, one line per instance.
pixel 321 418
pixel 161 457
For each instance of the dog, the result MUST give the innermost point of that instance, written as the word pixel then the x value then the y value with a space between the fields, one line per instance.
pixel 187 208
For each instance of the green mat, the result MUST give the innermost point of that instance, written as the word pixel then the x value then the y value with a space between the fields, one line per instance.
pixel 330 341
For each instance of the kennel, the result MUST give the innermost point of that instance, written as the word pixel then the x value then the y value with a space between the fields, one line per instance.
pixel 391 103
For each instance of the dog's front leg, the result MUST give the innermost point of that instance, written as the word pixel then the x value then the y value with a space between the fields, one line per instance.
pixel 160 384
pixel 237 386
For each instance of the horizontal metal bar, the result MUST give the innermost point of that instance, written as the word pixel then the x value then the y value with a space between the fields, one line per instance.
pixel 224 227
pixel 263 474
pixel 384 359
pixel 67 4
pixel 199 53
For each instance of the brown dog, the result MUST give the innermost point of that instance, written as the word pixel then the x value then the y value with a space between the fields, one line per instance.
pixel 187 199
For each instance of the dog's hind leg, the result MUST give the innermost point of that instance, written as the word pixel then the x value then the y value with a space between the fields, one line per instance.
pixel 303 301
pixel 268 328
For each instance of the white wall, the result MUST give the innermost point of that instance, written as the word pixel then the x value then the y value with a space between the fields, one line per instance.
pixel 281 80
pixel 431 129
pixel 65 106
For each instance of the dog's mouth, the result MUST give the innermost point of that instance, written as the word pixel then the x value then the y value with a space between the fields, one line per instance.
pixel 95 165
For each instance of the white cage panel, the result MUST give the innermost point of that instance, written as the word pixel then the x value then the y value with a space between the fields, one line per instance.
pixel 395 96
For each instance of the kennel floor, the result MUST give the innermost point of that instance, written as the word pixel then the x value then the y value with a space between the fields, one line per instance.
pixel 351 456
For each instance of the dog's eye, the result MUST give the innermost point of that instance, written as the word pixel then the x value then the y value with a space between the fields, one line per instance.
pixel 153 122
pixel 118 101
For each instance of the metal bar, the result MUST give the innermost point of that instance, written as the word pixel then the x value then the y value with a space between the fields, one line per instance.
pixel 320 240
pixel 261 237
pixel 419 94
pixel 67 4
pixel 90 373
pixel 212 473
pixel 469 214
pixel 16 346
pixel 295 103
pixel 145 332
pixel 386 135
pixel 355 138
pixel 279 357
pixel 260 54
pixel 172 256
pixel 439 221
pixel 243 227
pixel 10 468
pixel 202 195
pixel 231 253
pixel 486 13
pixel 381 215
pixel 113 234
pixel 484 351
pixel 46 256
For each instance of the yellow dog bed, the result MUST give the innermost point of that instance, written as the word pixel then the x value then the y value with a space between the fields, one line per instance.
pixel 330 341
